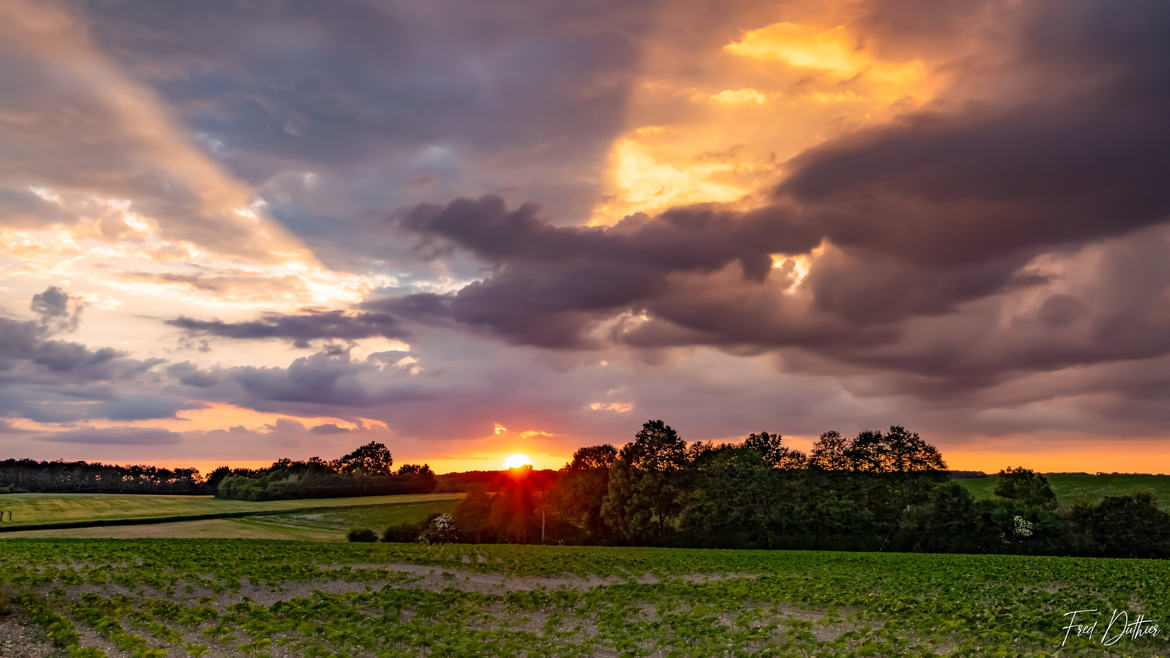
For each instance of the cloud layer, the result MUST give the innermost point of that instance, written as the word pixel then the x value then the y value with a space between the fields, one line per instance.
pixel 241 229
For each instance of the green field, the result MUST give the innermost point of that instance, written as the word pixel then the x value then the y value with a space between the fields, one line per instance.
pixel 1071 489
pixel 328 524
pixel 245 597
pixel 41 509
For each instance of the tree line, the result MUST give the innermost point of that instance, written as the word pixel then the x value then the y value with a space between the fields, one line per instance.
pixel 29 475
pixel 367 471
pixel 882 491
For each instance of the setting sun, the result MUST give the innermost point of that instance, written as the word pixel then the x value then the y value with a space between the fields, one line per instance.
pixel 516 461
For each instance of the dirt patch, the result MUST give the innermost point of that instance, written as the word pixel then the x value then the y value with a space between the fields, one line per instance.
pixel 19 636
pixel 436 578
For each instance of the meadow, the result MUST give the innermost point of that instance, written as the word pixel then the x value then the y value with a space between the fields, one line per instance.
pixel 312 524
pixel 32 510
pixel 243 597
pixel 1084 488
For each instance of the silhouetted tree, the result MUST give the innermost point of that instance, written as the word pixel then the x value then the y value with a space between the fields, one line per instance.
pixel 947 523
pixel 733 492
pixel 371 459
pixel 1025 486
pixel 646 484
pixel 580 492
pixel 217 476
pixel 773 451
pixel 829 453
pixel 1124 526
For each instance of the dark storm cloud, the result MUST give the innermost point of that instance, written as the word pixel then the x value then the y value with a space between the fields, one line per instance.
pixel 554 282
pixel 300 329
pixel 697 238
pixel 982 183
pixel 931 223
pixel 133 436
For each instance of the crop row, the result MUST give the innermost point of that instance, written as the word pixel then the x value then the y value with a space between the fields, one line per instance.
pixel 260 598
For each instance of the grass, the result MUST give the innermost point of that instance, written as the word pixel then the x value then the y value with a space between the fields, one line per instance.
pixel 30 510
pixel 243 597
pixel 1079 488
pixel 241 528
pixel 376 518
pixel 318 525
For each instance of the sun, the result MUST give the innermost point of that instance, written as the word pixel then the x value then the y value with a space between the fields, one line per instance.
pixel 516 461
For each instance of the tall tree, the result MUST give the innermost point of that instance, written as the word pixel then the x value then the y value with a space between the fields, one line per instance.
pixel 1025 486
pixel 829 453
pixel 733 493
pixel 581 490
pixel 771 448
pixel 906 452
pixel 371 459
pixel 650 484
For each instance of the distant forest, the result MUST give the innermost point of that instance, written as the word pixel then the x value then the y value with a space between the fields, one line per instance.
pixel 31 476
pixel 880 491
pixel 876 491
pixel 364 472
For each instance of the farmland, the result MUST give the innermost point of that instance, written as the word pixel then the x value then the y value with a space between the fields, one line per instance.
pixel 1082 488
pixel 226 597
pixel 312 524
pixel 31 510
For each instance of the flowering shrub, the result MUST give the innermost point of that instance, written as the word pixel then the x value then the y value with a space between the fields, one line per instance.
pixel 442 530
pixel 1021 527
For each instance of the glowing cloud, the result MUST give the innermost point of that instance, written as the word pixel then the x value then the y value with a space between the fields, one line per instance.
pixel 836 51
pixel 615 407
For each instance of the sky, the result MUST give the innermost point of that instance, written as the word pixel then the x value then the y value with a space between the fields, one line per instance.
pixel 242 230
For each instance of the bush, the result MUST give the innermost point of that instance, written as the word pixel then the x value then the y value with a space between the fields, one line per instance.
pixel 405 533
pixel 1025 486
pixel 442 530
pixel 1124 526
pixel 361 534
pixel 4 607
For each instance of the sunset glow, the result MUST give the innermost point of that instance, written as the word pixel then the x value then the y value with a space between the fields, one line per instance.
pixel 516 461
pixel 229 236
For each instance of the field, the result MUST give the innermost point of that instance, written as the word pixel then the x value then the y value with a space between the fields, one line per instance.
pixel 31 510
pixel 244 597
pixel 313 524
pixel 1077 488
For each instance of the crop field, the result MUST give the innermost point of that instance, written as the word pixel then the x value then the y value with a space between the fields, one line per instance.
pixel 30 510
pixel 313 524
pixel 1077 488
pixel 244 597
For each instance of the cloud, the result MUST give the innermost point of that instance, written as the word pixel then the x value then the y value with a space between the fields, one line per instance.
pixel 301 328
pixel 981 252
pixel 58 310
pixel 130 436
pixel 329 428
pixel 119 144
pixel 958 249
